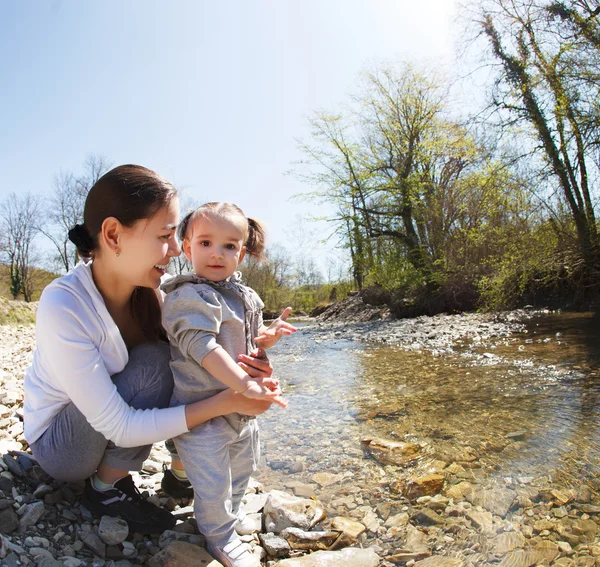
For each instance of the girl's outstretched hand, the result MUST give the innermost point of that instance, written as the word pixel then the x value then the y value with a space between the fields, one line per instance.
pixel 267 390
pixel 277 329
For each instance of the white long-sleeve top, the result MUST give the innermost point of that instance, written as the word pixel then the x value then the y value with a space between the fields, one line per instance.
pixel 79 348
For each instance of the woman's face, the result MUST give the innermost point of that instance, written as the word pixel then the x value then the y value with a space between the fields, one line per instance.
pixel 147 247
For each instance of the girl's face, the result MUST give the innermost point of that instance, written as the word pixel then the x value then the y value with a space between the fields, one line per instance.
pixel 215 247
pixel 146 248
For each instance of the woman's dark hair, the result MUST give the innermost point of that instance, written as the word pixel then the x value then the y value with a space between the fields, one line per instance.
pixel 128 193
pixel 255 232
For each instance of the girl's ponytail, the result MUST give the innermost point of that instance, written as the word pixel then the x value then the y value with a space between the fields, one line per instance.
pixel 255 244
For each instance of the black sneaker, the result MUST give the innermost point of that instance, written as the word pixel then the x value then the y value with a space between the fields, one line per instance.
pixel 175 487
pixel 125 501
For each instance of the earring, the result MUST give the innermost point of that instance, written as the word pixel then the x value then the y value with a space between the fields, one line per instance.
pixel 118 254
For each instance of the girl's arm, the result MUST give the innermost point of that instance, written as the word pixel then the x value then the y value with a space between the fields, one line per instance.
pixel 220 365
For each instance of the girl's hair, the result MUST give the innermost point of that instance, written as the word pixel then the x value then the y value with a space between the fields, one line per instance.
pixel 254 239
pixel 128 193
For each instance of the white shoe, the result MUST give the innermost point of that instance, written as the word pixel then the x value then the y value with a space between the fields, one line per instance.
pixel 235 554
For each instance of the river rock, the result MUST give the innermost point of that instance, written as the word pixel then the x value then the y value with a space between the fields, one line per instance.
pixel 440 561
pixel 254 503
pixel 416 540
pixel 348 526
pixel 275 546
pixel 49 562
pixel 425 486
pixel 113 531
pixel 169 536
pixel 182 554
pixel 390 452
pixel 42 490
pixel 406 556
pixel 586 529
pixel 283 510
pixel 32 514
pixel 326 479
pixel 481 519
pixel 507 542
pixel 427 517
pixel 544 553
pixel 458 491
pixel 93 542
pixel 348 557
pixel 9 521
pixel 312 541
pixel 497 500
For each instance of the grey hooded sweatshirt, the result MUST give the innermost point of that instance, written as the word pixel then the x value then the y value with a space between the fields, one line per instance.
pixel 200 315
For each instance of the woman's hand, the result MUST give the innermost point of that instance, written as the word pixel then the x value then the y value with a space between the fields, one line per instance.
pixel 256 364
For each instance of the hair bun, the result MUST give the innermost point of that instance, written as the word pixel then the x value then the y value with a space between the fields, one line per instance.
pixel 81 237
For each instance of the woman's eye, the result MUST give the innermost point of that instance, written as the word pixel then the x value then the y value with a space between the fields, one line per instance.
pixel 166 236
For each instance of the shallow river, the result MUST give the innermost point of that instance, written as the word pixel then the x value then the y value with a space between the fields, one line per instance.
pixel 523 407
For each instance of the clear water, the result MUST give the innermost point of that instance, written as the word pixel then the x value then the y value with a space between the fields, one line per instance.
pixel 524 406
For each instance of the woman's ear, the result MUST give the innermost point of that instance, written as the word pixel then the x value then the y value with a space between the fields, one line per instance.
pixel 187 248
pixel 110 234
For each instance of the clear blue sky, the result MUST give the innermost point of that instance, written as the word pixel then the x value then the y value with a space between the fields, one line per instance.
pixel 210 94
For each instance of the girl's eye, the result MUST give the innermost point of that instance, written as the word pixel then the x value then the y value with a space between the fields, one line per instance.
pixel 205 243
pixel 230 246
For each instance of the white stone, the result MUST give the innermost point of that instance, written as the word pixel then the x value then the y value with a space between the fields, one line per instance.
pixel 348 557
pixel 284 510
pixel 113 531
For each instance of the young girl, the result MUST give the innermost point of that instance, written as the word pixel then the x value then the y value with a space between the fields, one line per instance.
pixel 211 318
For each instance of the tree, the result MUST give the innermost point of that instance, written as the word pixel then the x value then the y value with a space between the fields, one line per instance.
pixel 20 218
pixel 549 79
pixel 66 206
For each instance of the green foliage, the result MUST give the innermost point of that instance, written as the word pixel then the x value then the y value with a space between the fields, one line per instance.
pixel 535 267
pixel 39 280
pixel 16 312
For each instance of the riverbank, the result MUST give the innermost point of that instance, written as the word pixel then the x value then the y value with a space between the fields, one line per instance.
pixel 399 475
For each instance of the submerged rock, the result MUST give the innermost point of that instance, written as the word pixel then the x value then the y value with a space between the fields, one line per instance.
pixel 390 452
pixel 425 486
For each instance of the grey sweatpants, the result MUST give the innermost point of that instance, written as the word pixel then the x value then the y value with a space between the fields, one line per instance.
pixel 70 449
pixel 219 457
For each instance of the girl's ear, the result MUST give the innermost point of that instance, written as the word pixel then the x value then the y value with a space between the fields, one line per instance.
pixel 110 233
pixel 187 248
pixel 242 254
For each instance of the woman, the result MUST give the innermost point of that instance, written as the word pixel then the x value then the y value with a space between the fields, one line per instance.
pixel 98 390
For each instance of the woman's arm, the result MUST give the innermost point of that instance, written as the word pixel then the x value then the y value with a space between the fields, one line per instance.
pixel 223 403
pixel 72 369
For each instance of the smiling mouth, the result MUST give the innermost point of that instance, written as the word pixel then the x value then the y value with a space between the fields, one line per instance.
pixel 161 267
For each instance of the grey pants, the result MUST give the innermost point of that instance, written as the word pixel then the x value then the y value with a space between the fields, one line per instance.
pixel 219 458
pixel 70 449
